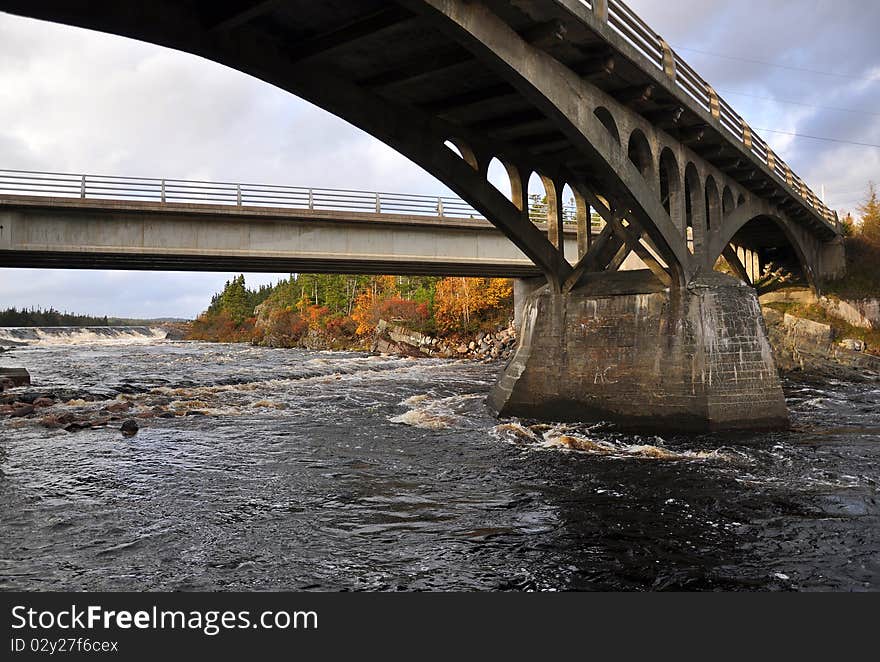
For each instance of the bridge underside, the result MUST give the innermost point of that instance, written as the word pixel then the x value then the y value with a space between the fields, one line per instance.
pixel 70 233
pixel 548 88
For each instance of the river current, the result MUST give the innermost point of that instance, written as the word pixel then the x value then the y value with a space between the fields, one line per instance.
pixel 294 470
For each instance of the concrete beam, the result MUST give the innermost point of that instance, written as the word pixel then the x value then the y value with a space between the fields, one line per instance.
pixel 74 233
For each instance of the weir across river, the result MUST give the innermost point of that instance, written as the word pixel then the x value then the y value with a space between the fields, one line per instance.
pixel 584 94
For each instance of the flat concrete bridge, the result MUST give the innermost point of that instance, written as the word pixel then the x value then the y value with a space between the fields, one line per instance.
pixel 72 221
pixel 584 94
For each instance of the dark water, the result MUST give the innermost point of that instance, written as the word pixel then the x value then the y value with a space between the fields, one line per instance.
pixel 348 472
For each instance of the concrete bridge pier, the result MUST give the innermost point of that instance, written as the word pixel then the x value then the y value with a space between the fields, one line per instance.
pixel 624 348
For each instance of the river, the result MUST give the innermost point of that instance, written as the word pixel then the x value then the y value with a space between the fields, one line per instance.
pixel 343 471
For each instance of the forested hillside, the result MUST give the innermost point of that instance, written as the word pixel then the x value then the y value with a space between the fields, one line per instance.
pixel 343 310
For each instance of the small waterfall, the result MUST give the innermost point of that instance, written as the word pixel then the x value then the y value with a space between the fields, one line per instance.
pixel 73 335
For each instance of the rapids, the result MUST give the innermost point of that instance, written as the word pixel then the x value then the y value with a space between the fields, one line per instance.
pixel 287 469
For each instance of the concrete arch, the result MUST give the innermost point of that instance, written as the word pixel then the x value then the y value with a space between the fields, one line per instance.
pixel 746 214
pixel 417 131
pixel 604 115
pixel 640 155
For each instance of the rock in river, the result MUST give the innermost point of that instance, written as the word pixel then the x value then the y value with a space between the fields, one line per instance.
pixel 129 428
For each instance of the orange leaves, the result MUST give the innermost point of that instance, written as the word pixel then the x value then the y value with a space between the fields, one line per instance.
pixel 403 311
pixel 222 327
pixel 368 309
pixel 343 308
pixel 462 305
pixel 365 312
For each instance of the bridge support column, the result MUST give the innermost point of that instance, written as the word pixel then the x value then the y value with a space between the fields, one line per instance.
pixel 523 288
pixel 626 350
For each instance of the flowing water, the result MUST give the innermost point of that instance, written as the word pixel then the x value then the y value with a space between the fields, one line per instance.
pixel 286 469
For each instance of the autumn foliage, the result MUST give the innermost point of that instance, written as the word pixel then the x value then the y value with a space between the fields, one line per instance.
pixel 465 305
pixel 340 311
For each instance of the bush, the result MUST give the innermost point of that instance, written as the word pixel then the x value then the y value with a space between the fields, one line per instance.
pixel 341 327
pixel 403 311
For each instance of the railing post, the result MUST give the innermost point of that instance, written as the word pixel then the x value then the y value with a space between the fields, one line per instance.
pixel 439 206
pixel 747 136
pixel 82 187
pixel 771 161
pixel 378 204
pixel 163 191
pixel 668 58
pixel 714 102
pixel 311 199
pixel 238 194
pixel 600 9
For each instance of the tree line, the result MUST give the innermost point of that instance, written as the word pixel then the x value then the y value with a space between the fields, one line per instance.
pixel 862 250
pixel 51 317
pixel 346 309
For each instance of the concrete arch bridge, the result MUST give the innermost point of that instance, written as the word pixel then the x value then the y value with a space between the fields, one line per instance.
pixel 584 95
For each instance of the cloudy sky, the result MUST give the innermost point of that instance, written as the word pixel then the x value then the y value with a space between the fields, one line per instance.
pixel 79 101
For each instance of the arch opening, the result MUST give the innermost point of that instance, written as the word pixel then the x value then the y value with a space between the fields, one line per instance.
pixel 608 122
pixel 499 177
pixel 713 204
pixel 670 187
pixel 569 205
pixel 576 215
pixel 539 195
pixel 544 207
pixel 639 152
pixel 727 202
pixel 694 202
pixel 768 257
pixel 463 151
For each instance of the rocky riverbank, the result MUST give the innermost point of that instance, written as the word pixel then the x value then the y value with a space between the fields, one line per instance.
pixel 393 339
pixel 810 349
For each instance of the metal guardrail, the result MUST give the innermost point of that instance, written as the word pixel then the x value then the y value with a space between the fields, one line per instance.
pixel 147 189
pixel 626 23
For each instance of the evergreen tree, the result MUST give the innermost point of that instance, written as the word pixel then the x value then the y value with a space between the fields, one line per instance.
pixel 234 300
pixel 870 211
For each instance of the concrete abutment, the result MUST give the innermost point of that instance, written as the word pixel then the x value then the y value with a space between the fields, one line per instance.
pixel 626 350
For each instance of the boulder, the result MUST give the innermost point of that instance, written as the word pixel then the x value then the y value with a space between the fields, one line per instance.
pixel 804 328
pixel 18 376
pixel 129 428
pixel 57 420
pixel 853 345
pixel 117 407
pixel 21 409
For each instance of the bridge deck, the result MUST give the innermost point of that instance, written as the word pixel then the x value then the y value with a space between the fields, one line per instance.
pixel 63 232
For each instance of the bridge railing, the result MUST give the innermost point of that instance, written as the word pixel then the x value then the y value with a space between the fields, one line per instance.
pixel 626 23
pixel 104 187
